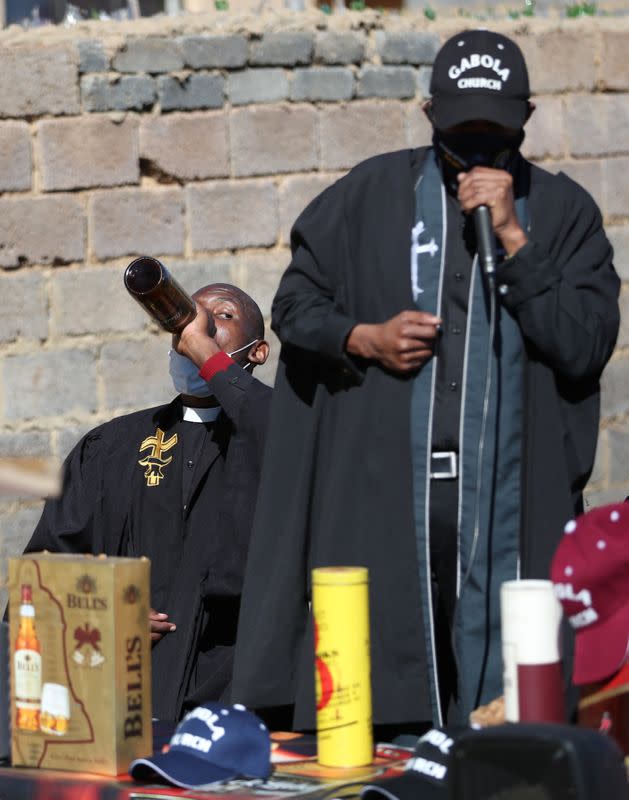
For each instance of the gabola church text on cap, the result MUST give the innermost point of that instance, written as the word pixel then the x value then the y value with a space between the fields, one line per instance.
pixel 473 62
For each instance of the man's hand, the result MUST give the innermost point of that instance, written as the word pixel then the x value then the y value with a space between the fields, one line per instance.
pixel 159 625
pixel 401 344
pixel 494 189
pixel 196 340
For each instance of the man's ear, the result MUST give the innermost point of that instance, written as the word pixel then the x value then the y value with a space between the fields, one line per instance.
pixel 259 353
pixel 530 110
pixel 427 109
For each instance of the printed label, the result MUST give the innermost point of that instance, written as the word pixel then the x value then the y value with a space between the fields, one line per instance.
pixel 28 675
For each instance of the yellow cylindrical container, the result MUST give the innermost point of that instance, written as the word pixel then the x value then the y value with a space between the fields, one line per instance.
pixel 340 604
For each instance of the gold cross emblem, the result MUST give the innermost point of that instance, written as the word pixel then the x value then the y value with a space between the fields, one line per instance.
pixel 154 462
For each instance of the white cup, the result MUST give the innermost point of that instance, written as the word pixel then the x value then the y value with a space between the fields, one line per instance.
pixel 530 623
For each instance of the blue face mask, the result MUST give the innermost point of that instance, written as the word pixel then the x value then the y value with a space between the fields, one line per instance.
pixel 185 374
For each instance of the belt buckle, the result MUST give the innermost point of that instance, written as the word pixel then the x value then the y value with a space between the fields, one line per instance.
pixel 443 465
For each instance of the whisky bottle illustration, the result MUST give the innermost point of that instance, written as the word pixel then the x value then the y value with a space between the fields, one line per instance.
pixel 28 677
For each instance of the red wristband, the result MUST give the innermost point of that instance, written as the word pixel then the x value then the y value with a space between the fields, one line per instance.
pixel 219 362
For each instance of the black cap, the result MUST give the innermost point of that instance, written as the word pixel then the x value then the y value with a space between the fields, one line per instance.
pixel 479 75
pixel 426 774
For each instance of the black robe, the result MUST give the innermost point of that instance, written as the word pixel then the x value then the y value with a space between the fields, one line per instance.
pixel 197 544
pixel 337 485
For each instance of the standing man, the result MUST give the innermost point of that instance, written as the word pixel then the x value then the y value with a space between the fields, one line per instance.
pixel 178 484
pixel 432 427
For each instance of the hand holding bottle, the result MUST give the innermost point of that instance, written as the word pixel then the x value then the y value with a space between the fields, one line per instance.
pixel 196 340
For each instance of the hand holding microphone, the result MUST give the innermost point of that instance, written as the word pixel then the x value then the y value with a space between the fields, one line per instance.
pixel 487 193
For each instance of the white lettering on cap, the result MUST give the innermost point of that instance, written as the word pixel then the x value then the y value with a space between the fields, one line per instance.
pixel 438 739
pixel 191 741
pixel 583 618
pixel 474 61
pixel 565 591
pixel 210 719
pixel 431 768
pixel 479 83
pixel 589 615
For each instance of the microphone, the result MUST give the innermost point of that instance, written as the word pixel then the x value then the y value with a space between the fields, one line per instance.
pixel 485 242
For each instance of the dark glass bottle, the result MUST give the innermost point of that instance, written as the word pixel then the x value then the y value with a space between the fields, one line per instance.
pixel 155 289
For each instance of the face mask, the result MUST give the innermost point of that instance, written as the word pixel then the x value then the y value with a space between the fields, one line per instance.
pixel 460 152
pixel 185 376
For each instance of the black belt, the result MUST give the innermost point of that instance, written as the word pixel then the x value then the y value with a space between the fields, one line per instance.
pixel 444 465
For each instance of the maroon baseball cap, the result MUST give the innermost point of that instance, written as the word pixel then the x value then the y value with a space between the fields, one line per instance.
pixel 590 572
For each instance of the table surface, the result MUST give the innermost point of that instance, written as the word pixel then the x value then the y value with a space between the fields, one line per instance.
pixel 290 779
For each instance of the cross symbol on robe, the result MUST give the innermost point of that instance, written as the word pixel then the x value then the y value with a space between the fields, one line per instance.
pixel 416 250
pixel 155 461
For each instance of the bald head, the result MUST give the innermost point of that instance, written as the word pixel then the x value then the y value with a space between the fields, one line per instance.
pixel 249 321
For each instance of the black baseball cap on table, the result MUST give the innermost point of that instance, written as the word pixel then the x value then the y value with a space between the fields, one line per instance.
pixel 426 774
pixel 479 75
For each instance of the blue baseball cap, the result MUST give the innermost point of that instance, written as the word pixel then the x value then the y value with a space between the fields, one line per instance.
pixel 212 744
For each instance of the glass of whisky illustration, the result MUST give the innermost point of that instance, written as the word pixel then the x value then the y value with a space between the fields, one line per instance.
pixel 27 663
pixel 55 709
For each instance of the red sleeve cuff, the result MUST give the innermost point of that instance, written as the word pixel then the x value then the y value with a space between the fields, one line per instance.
pixel 219 362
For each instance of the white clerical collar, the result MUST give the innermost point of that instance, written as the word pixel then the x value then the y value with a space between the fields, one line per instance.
pixel 201 414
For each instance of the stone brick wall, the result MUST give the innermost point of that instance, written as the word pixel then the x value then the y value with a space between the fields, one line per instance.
pixel 198 140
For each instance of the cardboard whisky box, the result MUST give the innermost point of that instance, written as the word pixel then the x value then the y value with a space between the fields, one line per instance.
pixel 80 662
